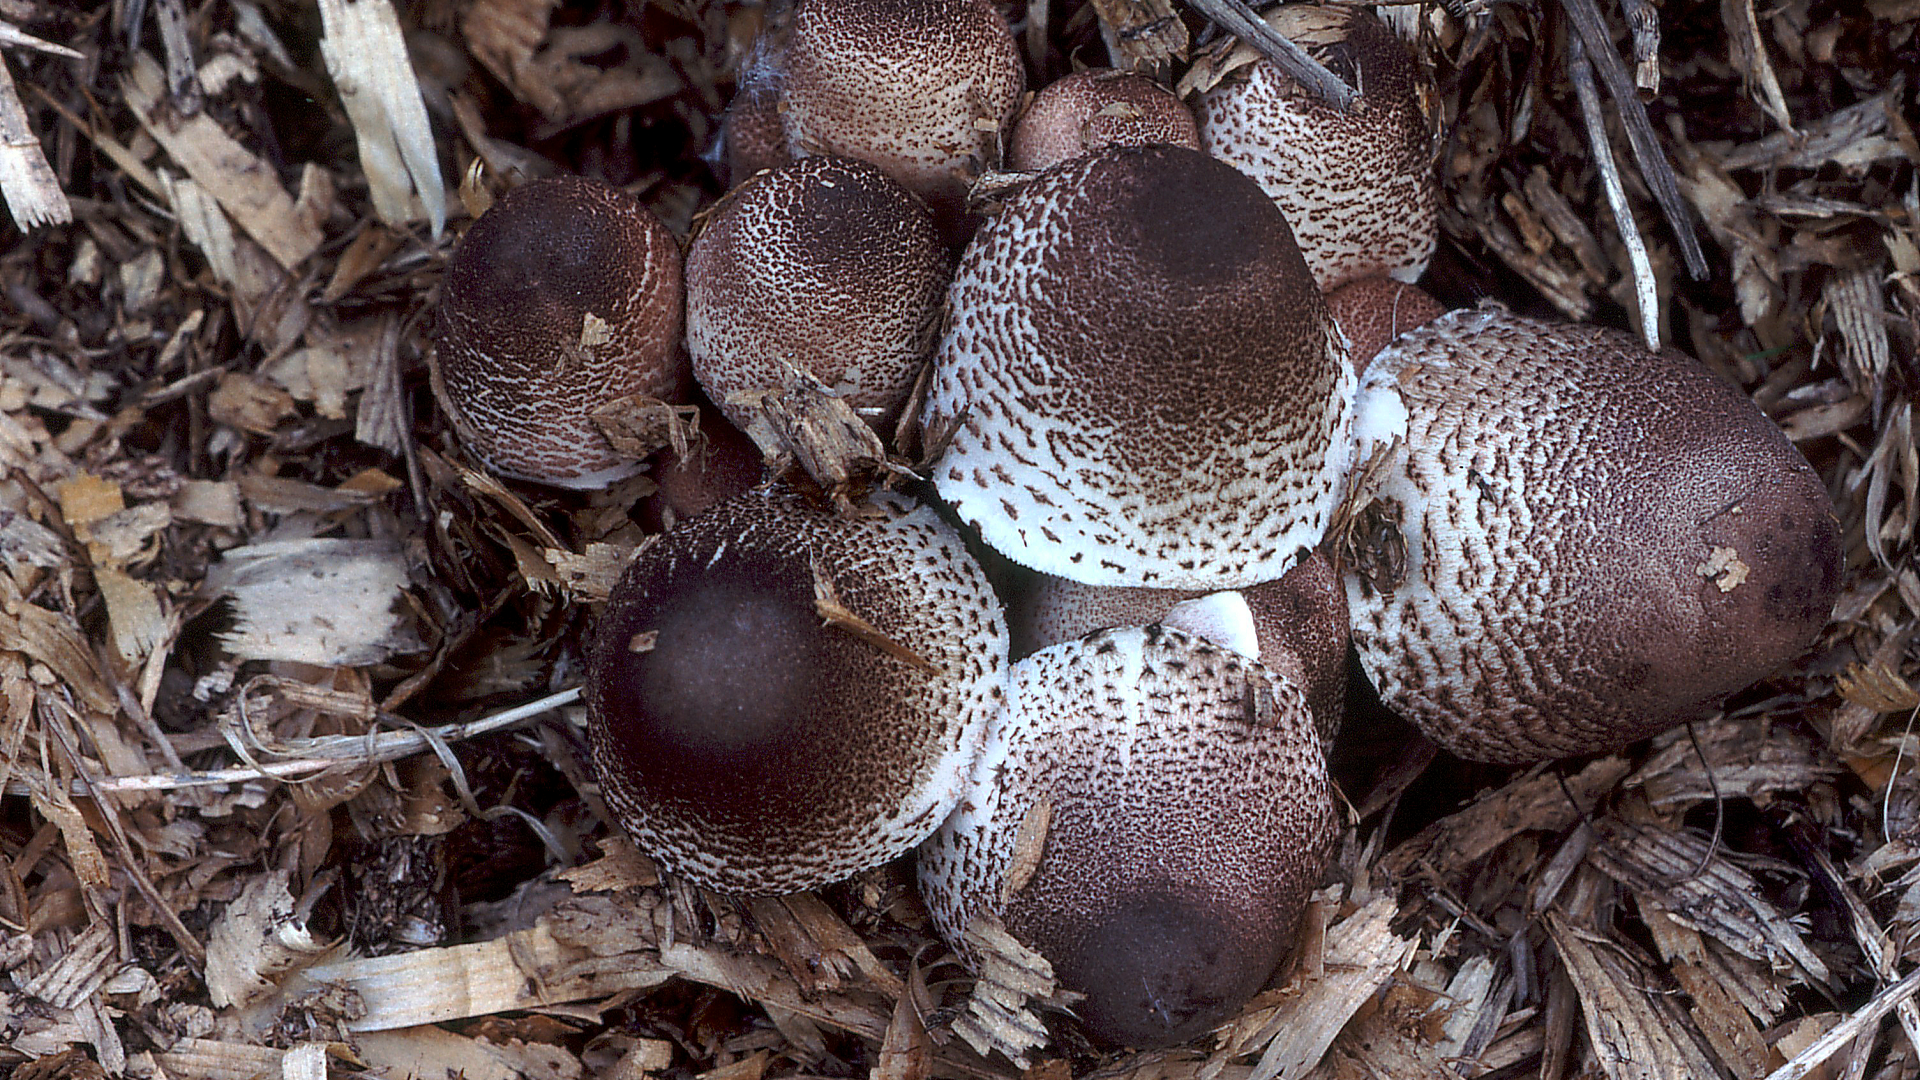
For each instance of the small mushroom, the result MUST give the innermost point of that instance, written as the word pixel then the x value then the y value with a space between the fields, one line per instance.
pixel 1150 815
pixel 1139 384
pixel 922 88
pixel 561 298
pixel 1374 310
pixel 1357 185
pixel 1087 110
pixel 825 264
pixel 780 697
pixel 1586 542
pixel 1298 624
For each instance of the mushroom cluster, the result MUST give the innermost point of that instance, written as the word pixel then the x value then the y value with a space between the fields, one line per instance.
pixel 1153 381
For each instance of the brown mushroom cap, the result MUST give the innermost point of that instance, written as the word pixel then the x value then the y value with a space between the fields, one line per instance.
pixel 747 743
pixel 825 264
pixel 1299 624
pixel 922 88
pixel 1600 542
pixel 1358 186
pixel 1087 110
pixel 1376 309
pixel 1138 385
pixel 561 298
pixel 1187 816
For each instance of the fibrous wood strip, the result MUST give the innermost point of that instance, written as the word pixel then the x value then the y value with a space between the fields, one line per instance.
pixel 1634 1030
pixel 1745 758
pixel 244 185
pixel 1719 900
pixel 1538 800
pixel 1361 953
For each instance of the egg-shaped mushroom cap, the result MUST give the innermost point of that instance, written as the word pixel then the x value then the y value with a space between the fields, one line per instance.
pixel 1376 309
pixel 1139 384
pixel 825 264
pixel 1087 110
pixel 1358 185
pixel 922 88
pixel 1599 542
pixel 562 297
pixel 1299 625
pixel 1176 813
pixel 751 739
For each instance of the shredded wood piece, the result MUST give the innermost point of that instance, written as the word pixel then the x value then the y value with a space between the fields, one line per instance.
pixel 367 59
pixel 27 181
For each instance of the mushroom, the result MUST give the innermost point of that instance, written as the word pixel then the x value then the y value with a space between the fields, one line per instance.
pixel 719 464
pixel 922 88
pixel 1374 310
pixel 1150 814
pixel 1139 385
pixel 561 298
pixel 1298 625
pixel 1357 185
pixel 1580 543
pixel 780 697
pixel 825 264
pixel 1087 110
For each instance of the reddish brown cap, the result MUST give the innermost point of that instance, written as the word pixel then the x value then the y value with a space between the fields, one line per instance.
pixel 1087 110
pixel 1358 185
pixel 1374 310
pixel 1184 817
pixel 1139 385
pixel 780 697
pixel 1600 542
pixel 825 264
pixel 561 298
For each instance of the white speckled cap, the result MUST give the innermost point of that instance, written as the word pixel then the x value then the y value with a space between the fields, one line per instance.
pixel 1599 542
pixel 1150 814
pixel 1087 110
pixel 751 744
pixel 1358 186
pixel 1140 384
pixel 825 264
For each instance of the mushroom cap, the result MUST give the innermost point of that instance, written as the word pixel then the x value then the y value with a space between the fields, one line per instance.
pixel 753 131
pixel 748 745
pixel 561 298
pixel 1139 384
pixel 1374 310
pixel 1358 186
pixel 722 463
pixel 1299 625
pixel 1599 542
pixel 922 88
pixel 1187 817
pixel 1087 110
pixel 823 263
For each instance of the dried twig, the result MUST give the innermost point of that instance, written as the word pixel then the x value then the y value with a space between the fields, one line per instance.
pixel 1645 289
pixel 1239 20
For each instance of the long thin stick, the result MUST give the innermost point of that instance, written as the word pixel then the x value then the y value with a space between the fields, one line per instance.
pixel 1645 290
pixel 1654 166
pixel 1239 20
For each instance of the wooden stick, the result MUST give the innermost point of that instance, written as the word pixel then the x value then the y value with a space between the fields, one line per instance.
pixel 1238 19
pixel 1645 289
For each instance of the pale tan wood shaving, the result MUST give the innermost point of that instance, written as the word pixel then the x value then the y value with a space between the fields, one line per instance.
pixel 330 602
pixel 244 185
pixel 27 180
pixel 366 57
pixel 255 941
pixel 1360 954
pixel 1011 977
pixel 1645 289
pixel 1726 1025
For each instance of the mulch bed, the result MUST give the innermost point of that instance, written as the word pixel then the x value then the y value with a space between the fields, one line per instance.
pixel 294 782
